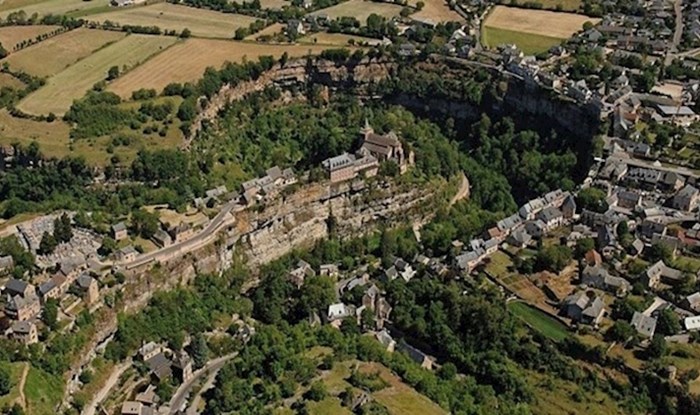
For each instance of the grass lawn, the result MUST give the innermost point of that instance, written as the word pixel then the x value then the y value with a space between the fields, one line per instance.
pixel 498 265
pixel 539 321
pixel 686 263
pixel 72 83
pixel 43 392
pixel 63 51
pixel 530 44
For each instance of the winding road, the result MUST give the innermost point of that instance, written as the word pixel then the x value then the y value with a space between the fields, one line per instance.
pixel 211 368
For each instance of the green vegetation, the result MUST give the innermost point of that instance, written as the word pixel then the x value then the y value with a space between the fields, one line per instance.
pixel 43 392
pixel 539 321
pixel 529 43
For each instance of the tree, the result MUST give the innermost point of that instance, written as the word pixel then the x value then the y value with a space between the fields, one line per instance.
pixel 49 315
pixel 317 392
pixel 185 33
pixel 420 5
pixel 447 371
pixel 582 246
pixel 668 323
pixel 48 244
pixel 145 223
pixel 113 73
pixel 657 348
pixel 5 380
pixel 109 245
pixel 660 252
pixel 621 331
pixel 553 258
pixel 592 199
pixel 62 229
pixel 200 351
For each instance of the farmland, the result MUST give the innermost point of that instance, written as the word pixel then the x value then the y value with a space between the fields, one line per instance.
pixel 11 36
pixel 537 22
pixel 203 23
pixel 43 8
pixel 360 10
pixel 56 97
pixel 436 11
pixel 187 62
pixel 63 51
pixel 530 44
pixel 9 81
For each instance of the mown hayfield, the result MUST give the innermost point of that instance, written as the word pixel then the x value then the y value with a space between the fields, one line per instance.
pixel 187 61
pixel 271 30
pixel 435 11
pixel 201 22
pixel 9 81
pixel 72 83
pixel 538 22
pixel 52 137
pixel 56 54
pixel 11 36
pixel 360 9
pixel 529 43
pixel 43 8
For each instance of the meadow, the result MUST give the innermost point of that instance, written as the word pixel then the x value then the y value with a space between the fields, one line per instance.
pixel 73 83
pixel 53 55
pixel 436 11
pixel 201 22
pixel 43 8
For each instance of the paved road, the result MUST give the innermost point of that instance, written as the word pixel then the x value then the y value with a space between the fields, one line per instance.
pixel 201 238
pixel 213 366
pixel 91 408
pixel 677 34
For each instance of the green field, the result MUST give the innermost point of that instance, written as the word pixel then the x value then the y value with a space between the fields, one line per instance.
pixel 539 321
pixel 74 82
pixel 43 392
pixel 527 42
pixel 15 370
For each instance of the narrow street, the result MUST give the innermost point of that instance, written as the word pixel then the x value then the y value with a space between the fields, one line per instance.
pixel 677 34
pixel 210 369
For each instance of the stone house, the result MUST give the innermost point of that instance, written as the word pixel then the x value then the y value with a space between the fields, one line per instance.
pixel 692 302
pixel 53 288
pixel 18 287
pixel 686 199
pixel 181 232
pixel 659 273
pixel 298 275
pixel 89 288
pixel 645 325
pixel 599 277
pixel 119 231
pixel 23 308
pixel 127 254
pixel 24 332
pixel 584 307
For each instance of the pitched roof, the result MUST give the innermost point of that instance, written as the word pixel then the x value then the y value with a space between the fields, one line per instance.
pixel 645 325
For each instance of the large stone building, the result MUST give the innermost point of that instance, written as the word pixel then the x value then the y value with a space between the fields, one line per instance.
pixel 385 147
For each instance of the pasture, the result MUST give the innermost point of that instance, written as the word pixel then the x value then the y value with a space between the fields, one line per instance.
pixel 537 22
pixel 56 54
pixel 435 11
pixel 201 22
pixel 12 36
pixel 360 9
pixel 187 61
pixel 529 43
pixel 43 8
pixel 73 83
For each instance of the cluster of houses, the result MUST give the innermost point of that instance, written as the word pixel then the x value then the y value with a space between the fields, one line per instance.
pixel 23 302
pixel 373 300
pixel 268 186
pixel 375 149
